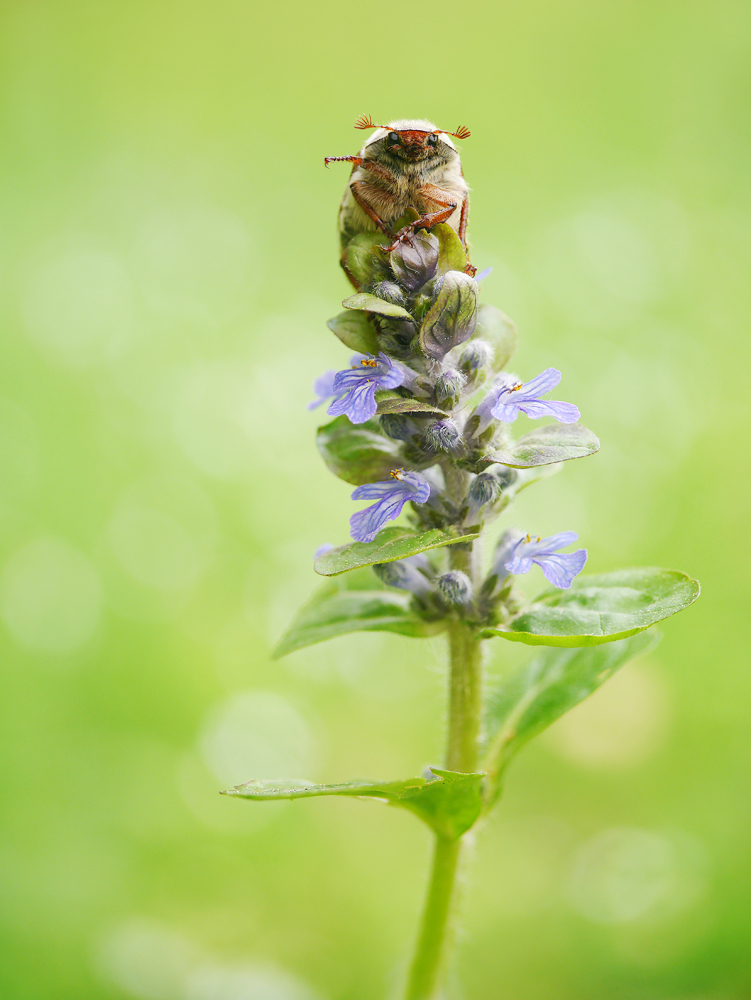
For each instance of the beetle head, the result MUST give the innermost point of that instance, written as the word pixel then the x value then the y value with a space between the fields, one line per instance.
pixel 412 140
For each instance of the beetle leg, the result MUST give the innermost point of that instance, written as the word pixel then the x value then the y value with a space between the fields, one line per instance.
pixel 358 189
pixel 463 221
pixel 440 197
pixel 357 160
pixel 470 269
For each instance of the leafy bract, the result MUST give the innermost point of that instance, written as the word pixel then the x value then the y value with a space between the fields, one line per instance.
pixel 390 544
pixel 355 330
pixel 541 691
pixel 357 453
pixel 603 608
pixel 545 446
pixel 365 258
pixel 355 602
pixel 499 331
pixel 392 402
pixel 372 304
pixel 451 253
pixel 452 318
pixel 448 801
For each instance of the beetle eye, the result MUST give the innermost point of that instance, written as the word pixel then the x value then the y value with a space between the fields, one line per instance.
pixel 393 137
pixel 432 140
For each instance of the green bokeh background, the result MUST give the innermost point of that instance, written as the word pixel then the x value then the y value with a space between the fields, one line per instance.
pixel 168 261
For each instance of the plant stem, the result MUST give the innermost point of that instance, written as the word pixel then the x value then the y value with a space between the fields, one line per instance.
pixel 465 712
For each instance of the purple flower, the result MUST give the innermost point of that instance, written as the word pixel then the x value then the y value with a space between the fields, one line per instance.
pixel 391 495
pixel 558 569
pixel 507 398
pixel 359 384
pixel 323 387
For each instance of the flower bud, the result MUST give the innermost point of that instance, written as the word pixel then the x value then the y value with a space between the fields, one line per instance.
pixel 448 385
pixel 483 489
pixel 404 574
pixel 475 356
pixel 397 426
pixel 506 476
pixel 443 435
pixel 415 260
pixel 390 292
pixel 455 588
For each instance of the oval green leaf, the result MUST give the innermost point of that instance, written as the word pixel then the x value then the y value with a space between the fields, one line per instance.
pixel 390 544
pixel 357 454
pixel 372 304
pixel 602 608
pixel 499 331
pixel 337 610
pixel 449 801
pixel 545 446
pixel 355 329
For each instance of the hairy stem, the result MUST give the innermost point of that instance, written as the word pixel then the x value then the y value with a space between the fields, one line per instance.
pixel 465 712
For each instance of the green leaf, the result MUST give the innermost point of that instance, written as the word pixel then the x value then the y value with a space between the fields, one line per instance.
pixel 499 331
pixel 341 606
pixel 541 691
pixel 365 259
pixel 452 318
pixel 545 446
pixel 392 402
pixel 451 253
pixel 390 544
pixel 355 330
pixel 357 454
pixel 602 608
pixel 449 802
pixel 372 304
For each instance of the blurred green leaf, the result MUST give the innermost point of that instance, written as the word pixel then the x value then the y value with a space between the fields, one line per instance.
pixel 541 691
pixel 452 317
pixel 451 253
pixel 357 454
pixel 597 609
pixel 390 544
pixel 545 446
pixel 392 402
pixel 499 331
pixel 371 303
pixel 365 259
pixel 337 608
pixel 355 329
pixel 449 802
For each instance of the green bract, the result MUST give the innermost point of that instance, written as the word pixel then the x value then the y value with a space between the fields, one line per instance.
pixel 355 329
pixel 391 544
pixel 601 608
pixel 544 446
pixel 354 602
pixel 447 801
pixel 497 329
pixel 357 454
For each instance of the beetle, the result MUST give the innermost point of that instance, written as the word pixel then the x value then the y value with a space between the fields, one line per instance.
pixel 407 164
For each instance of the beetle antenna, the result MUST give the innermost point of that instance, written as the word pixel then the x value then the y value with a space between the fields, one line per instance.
pixel 461 133
pixel 365 121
